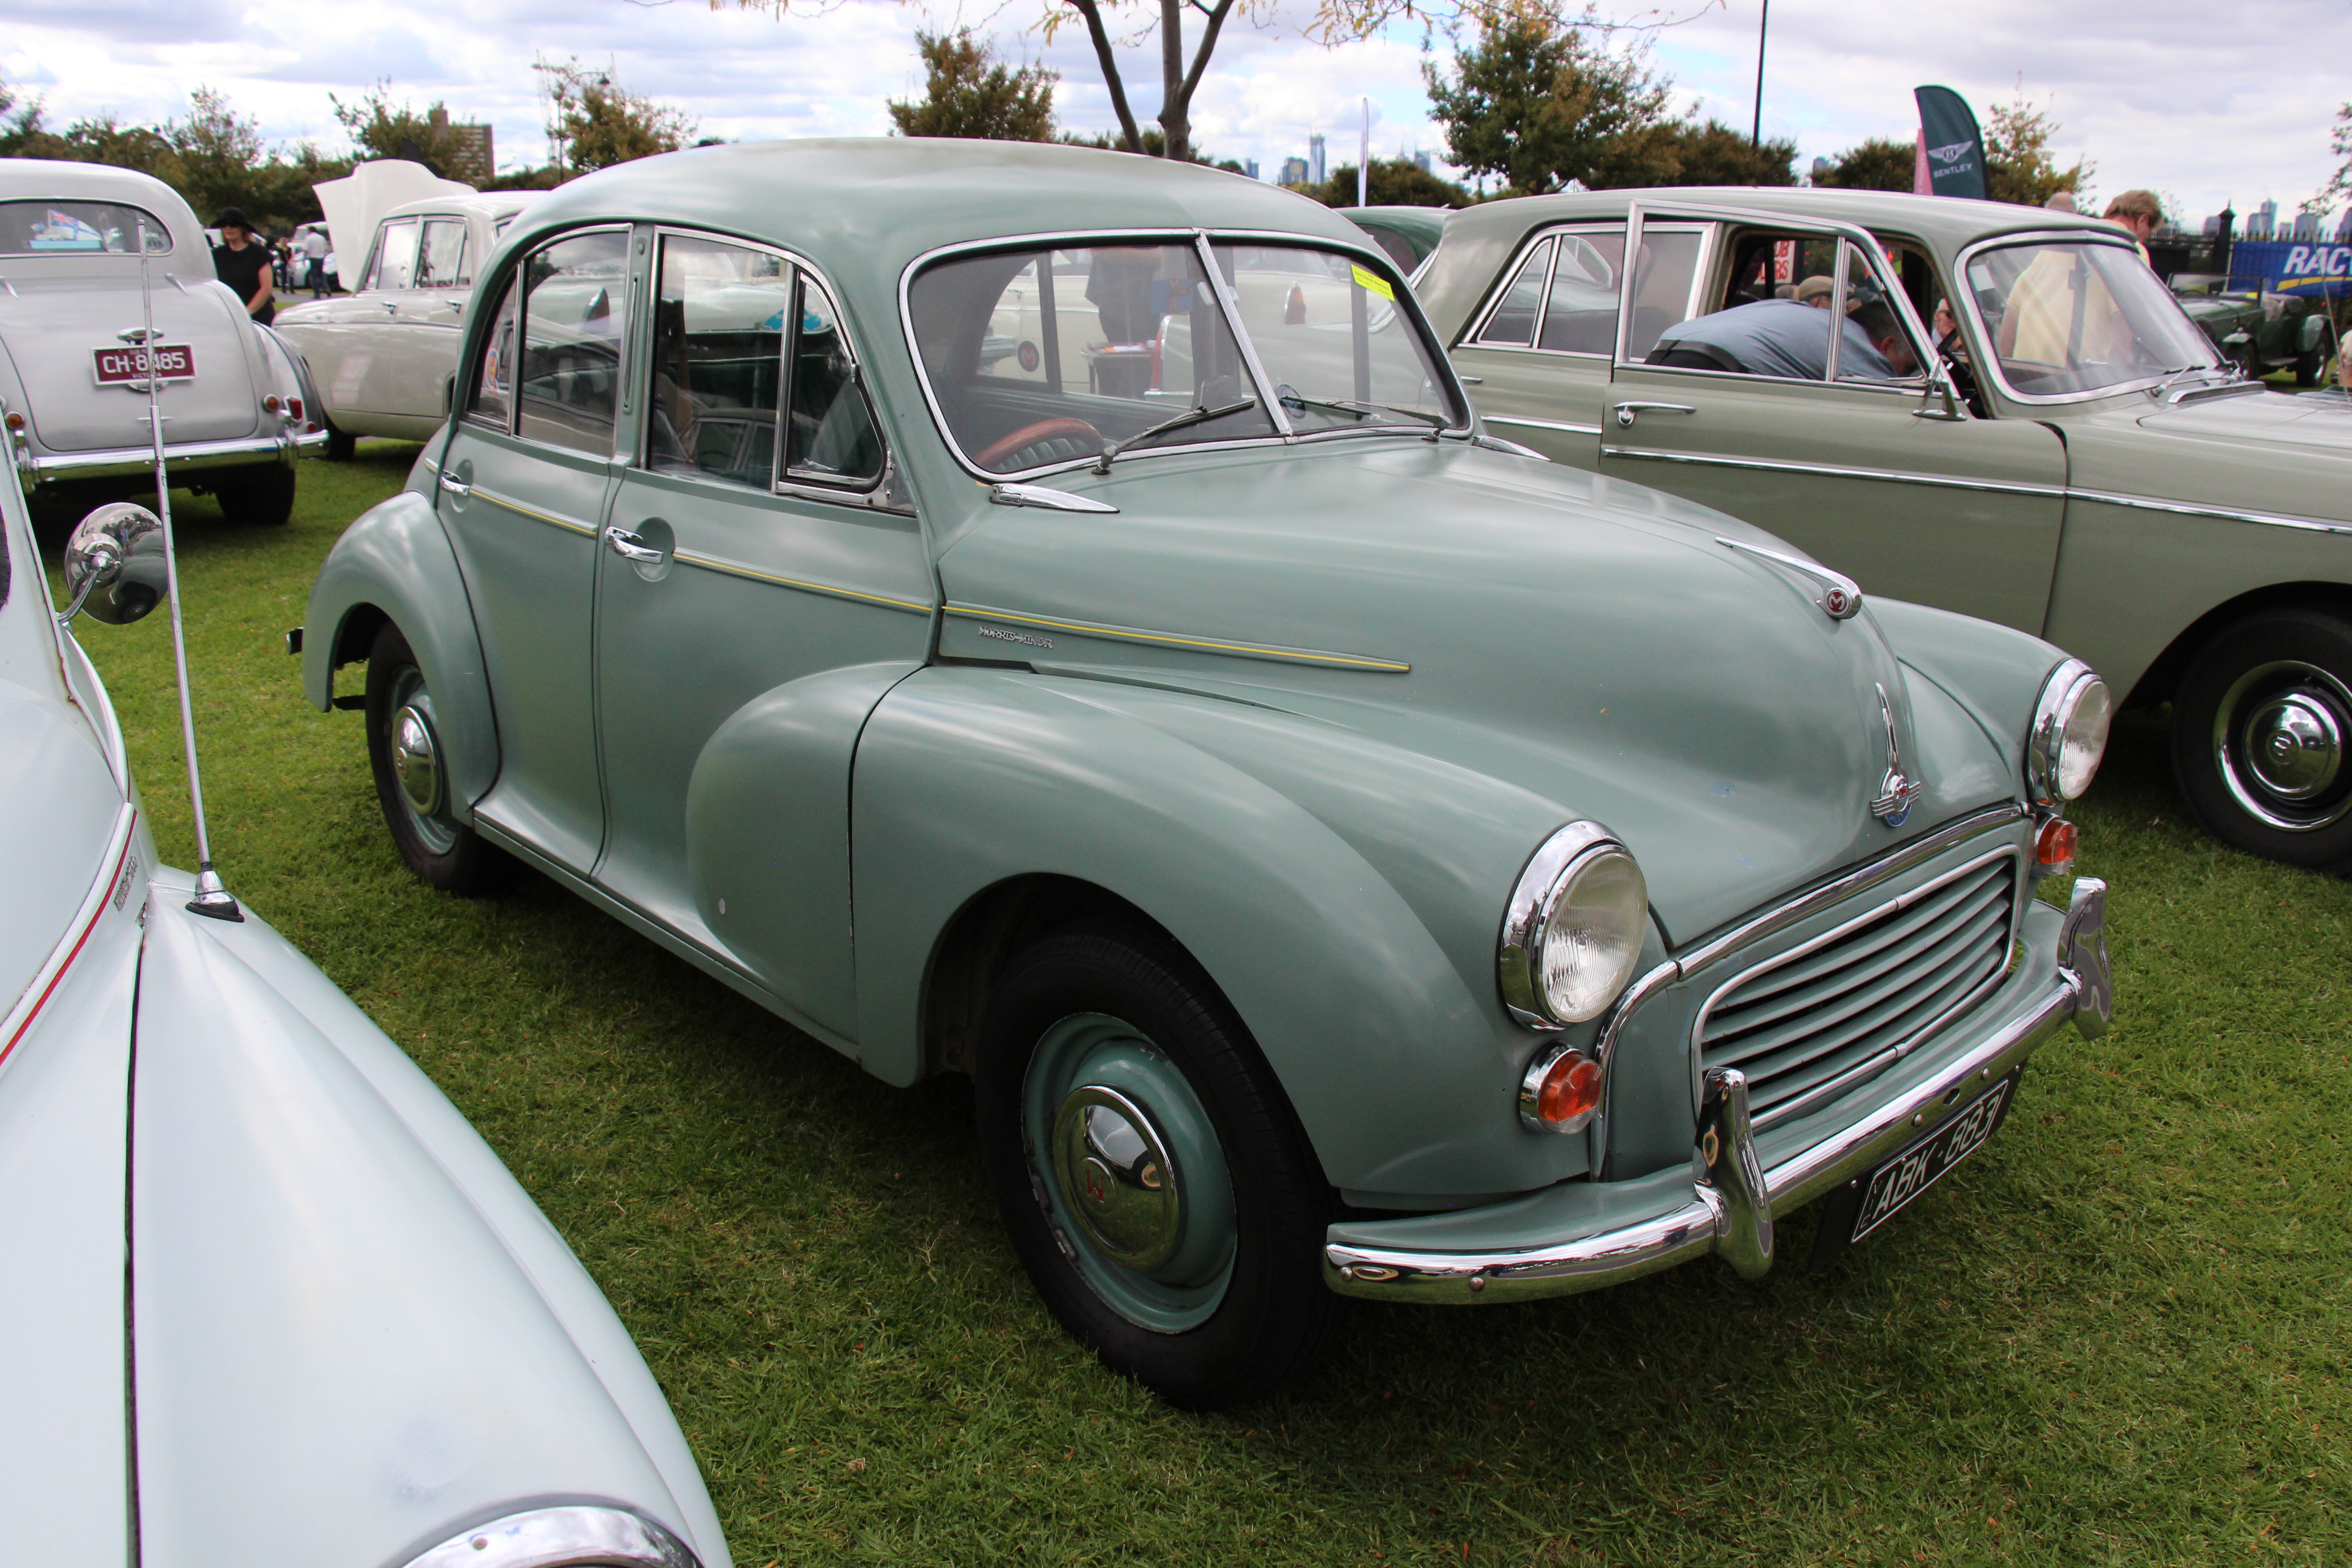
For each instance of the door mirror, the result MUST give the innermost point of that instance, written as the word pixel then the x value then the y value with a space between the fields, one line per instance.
pixel 114 564
pixel 1942 399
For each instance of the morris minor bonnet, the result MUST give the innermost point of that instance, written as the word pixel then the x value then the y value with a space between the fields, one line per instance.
pixel 1352 855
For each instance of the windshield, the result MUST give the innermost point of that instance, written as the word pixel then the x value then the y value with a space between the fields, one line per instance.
pixel 1043 357
pixel 56 227
pixel 2069 318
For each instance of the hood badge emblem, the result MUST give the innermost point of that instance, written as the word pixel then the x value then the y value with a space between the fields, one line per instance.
pixel 1837 595
pixel 1898 789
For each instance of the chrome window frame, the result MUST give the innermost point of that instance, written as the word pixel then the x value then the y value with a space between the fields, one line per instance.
pixel 1202 242
pixel 1500 290
pixel 1983 333
pixel 624 369
pixel 1860 239
pixel 1580 226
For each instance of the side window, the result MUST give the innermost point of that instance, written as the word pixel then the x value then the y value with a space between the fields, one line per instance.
pixel 1581 310
pixel 1513 324
pixel 830 436
pixel 492 398
pixel 575 309
pixel 1662 285
pixel 441 260
pixel 718 360
pixel 393 265
pixel 1875 346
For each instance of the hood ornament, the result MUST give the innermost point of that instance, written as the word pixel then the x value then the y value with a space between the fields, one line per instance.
pixel 1837 595
pixel 1898 789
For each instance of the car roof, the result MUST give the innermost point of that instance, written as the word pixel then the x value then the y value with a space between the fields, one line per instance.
pixel 862 209
pixel 1479 239
pixel 57 179
pixel 491 205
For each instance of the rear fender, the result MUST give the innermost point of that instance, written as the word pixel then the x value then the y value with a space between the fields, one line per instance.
pixel 1402 1072
pixel 394 563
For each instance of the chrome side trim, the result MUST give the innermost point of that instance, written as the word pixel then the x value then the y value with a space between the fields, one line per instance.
pixel 1731 1204
pixel 555 1537
pixel 719 564
pixel 1884 475
pixel 1170 640
pixel 2226 513
pixel 450 483
pixel 1560 425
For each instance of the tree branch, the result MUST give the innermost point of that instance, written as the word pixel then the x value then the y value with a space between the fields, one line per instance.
pixel 1201 57
pixel 1092 13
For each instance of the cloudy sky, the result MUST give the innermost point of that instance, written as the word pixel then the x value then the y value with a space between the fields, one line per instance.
pixel 2203 102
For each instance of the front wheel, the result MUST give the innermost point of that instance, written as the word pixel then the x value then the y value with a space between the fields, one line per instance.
pixel 2260 728
pixel 1156 1184
pixel 411 774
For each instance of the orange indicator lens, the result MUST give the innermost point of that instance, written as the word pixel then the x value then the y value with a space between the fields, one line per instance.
pixel 2053 846
pixel 1571 1089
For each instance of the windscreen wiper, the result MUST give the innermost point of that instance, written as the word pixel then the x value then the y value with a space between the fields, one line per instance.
pixel 1199 415
pixel 1350 405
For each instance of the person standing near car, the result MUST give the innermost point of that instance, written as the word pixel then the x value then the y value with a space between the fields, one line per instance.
pixel 314 250
pixel 242 261
pixel 2137 212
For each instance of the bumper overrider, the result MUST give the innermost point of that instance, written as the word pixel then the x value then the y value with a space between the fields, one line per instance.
pixel 1583 1236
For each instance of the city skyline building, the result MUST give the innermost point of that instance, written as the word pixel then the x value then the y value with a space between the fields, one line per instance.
pixel 1315 169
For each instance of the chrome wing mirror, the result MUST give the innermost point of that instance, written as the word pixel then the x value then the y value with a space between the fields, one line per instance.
pixel 1941 399
pixel 115 566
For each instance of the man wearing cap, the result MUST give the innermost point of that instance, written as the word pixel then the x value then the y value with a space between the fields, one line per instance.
pixel 242 261
pixel 1784 337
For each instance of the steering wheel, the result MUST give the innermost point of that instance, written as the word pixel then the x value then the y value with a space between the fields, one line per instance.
pixel 994 454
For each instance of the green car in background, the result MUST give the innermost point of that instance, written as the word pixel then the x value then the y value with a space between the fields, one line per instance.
pixel 2063 451
pixel 1407 234
pixel 1053 617
pixel 2259 334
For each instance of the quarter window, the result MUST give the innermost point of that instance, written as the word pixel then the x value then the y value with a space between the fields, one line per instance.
pixel 718 360
pixel 1513 324
pixel 393 265
pixel 574 307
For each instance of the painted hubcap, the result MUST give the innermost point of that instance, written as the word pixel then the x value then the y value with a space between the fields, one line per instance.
pixel 2279 738
pixel 416 760
pixel 1129 1172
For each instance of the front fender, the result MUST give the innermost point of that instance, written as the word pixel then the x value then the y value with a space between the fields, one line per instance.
pixel 1994 672
pixel 1402 1067
pixel 395 562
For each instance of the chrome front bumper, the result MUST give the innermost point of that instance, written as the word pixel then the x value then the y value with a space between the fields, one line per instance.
pixel 43 468
pixel 1582 1236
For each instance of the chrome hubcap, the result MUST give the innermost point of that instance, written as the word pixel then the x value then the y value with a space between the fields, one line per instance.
pixel 1115 1175
pixel 416 760
pixel 2279 738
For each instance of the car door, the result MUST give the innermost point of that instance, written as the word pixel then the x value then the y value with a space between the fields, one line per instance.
pixel 761 586
pixel 522 489
pixel 421 344
pixel 1863 465
pixel 1536 356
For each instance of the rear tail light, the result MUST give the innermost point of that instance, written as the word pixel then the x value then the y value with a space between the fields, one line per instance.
pixel 294 407
pixel 2053 846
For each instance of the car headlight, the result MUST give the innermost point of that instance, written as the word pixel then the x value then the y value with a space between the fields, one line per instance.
pixel 578 1535
pixel 1572 932
pixel 2070 733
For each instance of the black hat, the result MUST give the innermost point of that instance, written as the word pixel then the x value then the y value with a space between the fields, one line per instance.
pixel 232 217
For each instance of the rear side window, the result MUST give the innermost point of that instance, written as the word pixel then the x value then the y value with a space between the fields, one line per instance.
pixel 575 306
pixel 1662 286
pixel 441 259
pixel 1580 307
pixel 718 360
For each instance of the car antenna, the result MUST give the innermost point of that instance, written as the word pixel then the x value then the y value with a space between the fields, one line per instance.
pixel 212 898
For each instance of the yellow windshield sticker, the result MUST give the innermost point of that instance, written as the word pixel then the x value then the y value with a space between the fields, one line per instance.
pixel 1372 280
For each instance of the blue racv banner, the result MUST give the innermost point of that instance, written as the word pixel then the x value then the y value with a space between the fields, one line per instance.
pixel 2294 266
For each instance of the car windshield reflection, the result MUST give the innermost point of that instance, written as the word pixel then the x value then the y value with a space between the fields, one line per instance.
pixel 2073 318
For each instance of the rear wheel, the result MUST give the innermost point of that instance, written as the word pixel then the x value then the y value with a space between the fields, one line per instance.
pixel 2261 725
pixel 412 775
pixel 1154 1179
pixel 263 495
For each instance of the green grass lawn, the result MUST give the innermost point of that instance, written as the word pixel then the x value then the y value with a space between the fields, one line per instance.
pixel 2117 1335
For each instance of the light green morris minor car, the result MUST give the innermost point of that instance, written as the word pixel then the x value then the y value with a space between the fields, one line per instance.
pixel 1052 616
pixel 2021 424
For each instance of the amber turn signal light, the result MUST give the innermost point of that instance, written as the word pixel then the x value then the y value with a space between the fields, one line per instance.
pixel 2053 846
pixel 1571 1089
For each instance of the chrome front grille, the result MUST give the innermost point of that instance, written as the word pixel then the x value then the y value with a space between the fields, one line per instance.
pixel 1807 1025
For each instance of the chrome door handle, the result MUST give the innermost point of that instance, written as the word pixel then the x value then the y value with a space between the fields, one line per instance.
pixel 454 484
pixel 1628 412
pixel 629 547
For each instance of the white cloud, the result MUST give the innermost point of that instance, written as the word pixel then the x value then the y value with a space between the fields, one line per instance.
pixel 2207 103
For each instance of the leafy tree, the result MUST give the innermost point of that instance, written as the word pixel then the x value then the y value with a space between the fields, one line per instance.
pixel 1393 181
pixel 594 123
pixel 968 91
pixel 2339 142
pixel 380 127
pixel 2018 167
pixel 1538 103
pixel 1877 163
pixel 1718 154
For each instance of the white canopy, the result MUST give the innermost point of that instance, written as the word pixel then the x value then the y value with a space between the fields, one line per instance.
pixel 356 203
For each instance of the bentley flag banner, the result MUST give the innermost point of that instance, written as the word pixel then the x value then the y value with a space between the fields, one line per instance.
pixel 1950 146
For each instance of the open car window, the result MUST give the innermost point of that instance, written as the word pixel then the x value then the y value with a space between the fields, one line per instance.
pixel 1043 356
pixel 2071 316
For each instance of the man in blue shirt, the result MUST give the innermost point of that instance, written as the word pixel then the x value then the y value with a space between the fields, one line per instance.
pixel 1784 337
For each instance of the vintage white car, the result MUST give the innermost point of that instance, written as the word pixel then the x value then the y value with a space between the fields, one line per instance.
pixel 266 1299
pixel 75 240
pixel 382 357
